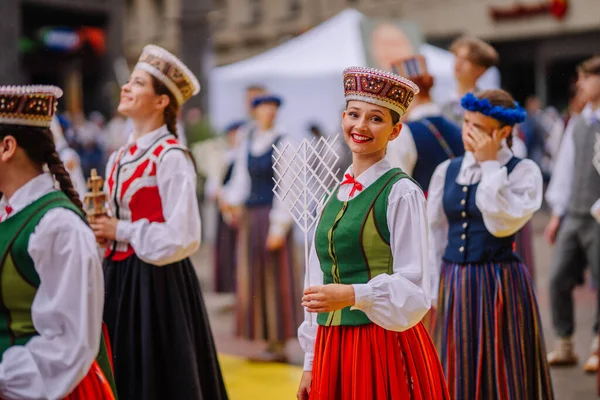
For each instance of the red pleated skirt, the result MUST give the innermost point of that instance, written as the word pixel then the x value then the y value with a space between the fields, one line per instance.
pixel 368 362
pixel 97 385
pixel 94 386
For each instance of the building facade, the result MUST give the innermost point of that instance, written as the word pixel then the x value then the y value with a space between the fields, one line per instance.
pixel 88 47
pixel 69 43
pixel 180 26
pixel 538 40
pixel 151 21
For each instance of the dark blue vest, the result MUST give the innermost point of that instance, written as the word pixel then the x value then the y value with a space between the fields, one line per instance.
pixel 260 169
pixel 469 242
pixel 430 152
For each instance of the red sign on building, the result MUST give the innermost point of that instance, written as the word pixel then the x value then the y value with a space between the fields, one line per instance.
pixel 556 8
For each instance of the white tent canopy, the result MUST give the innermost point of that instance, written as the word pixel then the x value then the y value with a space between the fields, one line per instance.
pixel 306 72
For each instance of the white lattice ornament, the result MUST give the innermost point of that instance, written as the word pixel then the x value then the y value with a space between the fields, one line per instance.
pixel 304 175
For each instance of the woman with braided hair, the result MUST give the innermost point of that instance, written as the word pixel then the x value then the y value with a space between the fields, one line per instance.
pixel 51 287
pixel 163 346
pixel 488 330
pixel 368 283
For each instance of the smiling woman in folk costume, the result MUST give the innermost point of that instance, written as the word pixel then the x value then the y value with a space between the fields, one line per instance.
pixel 162 342
pixel 488 330
pixel 369 277
pixel 52 294
pixel 267 287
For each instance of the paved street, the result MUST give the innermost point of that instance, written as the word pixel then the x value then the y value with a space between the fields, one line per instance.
pixel 569 383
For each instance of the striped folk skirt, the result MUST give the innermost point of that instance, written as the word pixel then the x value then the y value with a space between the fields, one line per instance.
pixel 225 257
pixel 489 335
pixel 368 362
pixel 268 287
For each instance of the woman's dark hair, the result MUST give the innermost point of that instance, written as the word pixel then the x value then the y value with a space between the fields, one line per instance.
pixel 394 114
pixel 395 117
pixel 172 109
pixel 499 97
pixel 38 143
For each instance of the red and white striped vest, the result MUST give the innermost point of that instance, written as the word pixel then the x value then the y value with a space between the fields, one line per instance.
pixel 133 188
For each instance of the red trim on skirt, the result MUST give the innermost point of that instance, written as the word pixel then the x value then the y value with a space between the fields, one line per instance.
pixel 368 362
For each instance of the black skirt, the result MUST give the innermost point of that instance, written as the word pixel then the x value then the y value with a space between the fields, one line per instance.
pixel 161 339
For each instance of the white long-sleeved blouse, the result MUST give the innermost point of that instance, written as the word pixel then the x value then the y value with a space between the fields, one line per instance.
pixel 558 193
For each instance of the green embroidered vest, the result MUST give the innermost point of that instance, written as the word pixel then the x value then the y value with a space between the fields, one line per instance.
pixel 352 241
pixel 19 280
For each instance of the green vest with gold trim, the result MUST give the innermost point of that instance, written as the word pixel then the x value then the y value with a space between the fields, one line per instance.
pixel 19 280
pixel 352 241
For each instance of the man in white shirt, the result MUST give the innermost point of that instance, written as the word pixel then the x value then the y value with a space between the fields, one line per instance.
pixel 473 58
pixel 573 191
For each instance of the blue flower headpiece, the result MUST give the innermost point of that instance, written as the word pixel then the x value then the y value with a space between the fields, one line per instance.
pixel 509 116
